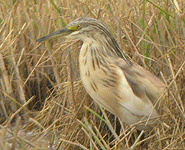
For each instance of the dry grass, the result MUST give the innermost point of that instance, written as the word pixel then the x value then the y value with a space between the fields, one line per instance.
pixel 42 102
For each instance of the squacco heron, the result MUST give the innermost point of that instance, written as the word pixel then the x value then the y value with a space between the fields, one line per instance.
pixel 119 85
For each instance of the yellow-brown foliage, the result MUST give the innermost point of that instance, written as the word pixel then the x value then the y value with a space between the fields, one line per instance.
pixel 42 101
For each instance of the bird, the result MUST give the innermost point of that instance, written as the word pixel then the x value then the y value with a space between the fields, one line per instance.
pixel 113 80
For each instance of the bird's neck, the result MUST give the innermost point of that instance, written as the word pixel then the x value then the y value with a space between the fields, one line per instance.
pixel 105 45
pixel 99 49
pixel 95 56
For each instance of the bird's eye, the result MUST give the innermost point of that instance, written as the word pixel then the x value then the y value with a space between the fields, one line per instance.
pixel 78 27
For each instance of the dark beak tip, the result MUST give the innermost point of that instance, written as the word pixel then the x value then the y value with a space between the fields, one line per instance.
pixel 40 39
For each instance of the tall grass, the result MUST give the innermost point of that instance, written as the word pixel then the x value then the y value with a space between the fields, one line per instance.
pixel 42 101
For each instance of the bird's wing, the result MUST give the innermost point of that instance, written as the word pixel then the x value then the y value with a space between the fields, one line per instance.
pixel 146 86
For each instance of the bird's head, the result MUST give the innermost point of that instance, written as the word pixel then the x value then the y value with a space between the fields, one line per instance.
pixel 81 28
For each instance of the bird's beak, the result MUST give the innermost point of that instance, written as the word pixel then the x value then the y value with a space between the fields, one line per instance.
pixel 62 32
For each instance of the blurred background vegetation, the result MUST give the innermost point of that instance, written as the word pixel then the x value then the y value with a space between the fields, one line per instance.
pixel 43 104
